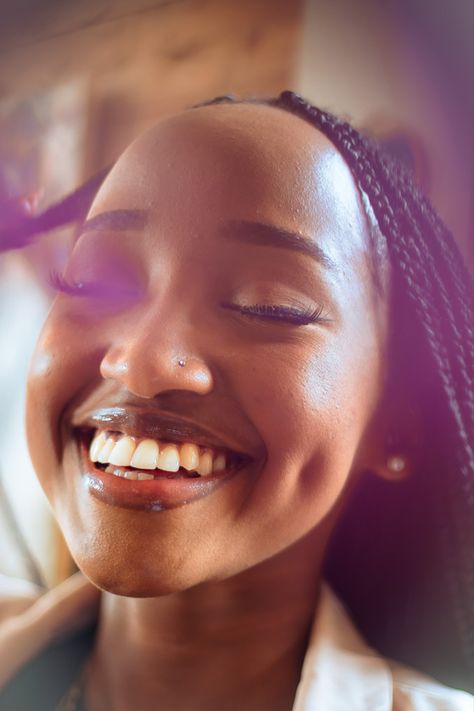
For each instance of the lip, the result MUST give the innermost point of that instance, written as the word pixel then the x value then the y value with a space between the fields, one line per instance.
pixel 137 422
pixel 157 495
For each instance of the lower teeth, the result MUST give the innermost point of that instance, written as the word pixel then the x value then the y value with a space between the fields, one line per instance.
pixel 142 476
pixel 128 473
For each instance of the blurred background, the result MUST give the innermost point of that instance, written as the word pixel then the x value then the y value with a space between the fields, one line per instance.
pixel 80 79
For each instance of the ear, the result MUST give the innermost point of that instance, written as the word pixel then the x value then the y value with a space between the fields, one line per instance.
pixel 392 442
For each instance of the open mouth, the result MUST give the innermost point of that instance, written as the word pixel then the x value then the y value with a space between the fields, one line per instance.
pixel 144 473
pixel 150 460
pixel 145 459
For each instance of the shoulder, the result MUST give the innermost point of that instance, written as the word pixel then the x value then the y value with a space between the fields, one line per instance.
pixel 413 690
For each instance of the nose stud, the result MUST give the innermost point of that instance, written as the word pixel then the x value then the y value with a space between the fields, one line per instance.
pixel 181 362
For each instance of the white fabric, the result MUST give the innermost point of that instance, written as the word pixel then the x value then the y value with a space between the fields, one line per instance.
pixel 23 307
pixel 340 671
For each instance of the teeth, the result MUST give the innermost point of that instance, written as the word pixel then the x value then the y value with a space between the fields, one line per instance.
pixel 129 474
pixel 168 459
pixel 96 445
pixel 148 454
pixel 115 472
pixel 189 456
pixel 122 452
pixel 141 476
pixel 219 463
pixel 205 463
pixel 145 455
pixel 104 453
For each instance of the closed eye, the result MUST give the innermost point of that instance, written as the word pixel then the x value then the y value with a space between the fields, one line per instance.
pixel 283 314
pixel 94 290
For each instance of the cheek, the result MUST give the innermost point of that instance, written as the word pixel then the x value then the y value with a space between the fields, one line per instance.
pixel 59 368
pixel 311 403
pixel 42 402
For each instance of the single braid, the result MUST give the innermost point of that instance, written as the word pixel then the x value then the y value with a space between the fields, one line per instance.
pixel 72 208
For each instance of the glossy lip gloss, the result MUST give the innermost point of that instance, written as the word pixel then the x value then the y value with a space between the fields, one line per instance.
pixel 157 495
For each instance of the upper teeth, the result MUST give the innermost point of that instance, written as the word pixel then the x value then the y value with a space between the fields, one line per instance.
pixel 126 451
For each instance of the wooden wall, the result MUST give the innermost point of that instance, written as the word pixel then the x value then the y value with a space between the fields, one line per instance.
pixel 143 58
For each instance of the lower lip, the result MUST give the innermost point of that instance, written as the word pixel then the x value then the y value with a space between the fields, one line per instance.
pixel 147 495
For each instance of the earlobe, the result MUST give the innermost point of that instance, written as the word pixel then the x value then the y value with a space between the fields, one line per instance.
pixel 390 449
pixel 395 467
pixel 395 436
pixel 388 461
pixel 394 457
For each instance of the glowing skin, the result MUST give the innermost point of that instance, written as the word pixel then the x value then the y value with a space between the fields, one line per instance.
pixel 300 400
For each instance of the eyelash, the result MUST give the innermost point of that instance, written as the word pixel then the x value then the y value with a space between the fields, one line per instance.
pixel 269 312
pixel 286 314
pixel 74 288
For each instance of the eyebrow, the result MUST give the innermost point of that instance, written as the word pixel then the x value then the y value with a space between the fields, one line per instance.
pixel 119 220
pixel 259 233
pixel 263 234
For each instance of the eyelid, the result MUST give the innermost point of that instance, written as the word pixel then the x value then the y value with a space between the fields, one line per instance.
pixel 73 288
pixel 298 316
pixel 292 315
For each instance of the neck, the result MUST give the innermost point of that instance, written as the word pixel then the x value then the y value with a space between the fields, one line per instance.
pixel 237 643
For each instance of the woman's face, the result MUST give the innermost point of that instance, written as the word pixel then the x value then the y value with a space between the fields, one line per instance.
pixel 226 303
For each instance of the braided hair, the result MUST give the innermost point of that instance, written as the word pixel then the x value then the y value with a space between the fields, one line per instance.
pixel 433 314
pixel 405 568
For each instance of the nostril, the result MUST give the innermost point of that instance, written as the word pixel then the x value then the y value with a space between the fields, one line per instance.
pixel 204 380
pixel 113 367
pixel 116 369
pixel 194 374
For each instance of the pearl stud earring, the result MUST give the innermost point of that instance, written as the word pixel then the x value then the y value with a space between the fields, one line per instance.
pixel 396 463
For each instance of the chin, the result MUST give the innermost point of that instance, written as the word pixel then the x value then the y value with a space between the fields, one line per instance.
pixel 129 578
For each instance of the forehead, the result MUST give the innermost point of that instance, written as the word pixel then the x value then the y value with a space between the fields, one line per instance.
pixel 240 161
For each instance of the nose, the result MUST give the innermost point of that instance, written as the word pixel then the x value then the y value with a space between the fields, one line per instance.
pixel 147 362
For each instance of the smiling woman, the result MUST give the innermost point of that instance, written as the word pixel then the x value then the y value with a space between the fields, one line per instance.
pixel 255 378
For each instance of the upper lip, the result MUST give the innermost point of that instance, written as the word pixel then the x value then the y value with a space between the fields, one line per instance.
pixel 138 422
